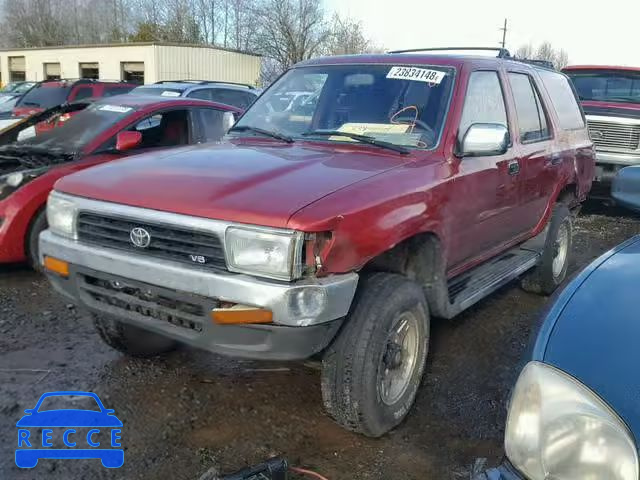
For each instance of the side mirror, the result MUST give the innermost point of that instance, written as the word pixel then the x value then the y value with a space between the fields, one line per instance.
pixel 484 139
pixel 228 121
pixel 128 140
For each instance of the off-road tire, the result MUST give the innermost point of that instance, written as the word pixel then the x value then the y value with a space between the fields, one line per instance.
pixel 131 340
pixel 38 225
pixel 351 364
pixel 542 279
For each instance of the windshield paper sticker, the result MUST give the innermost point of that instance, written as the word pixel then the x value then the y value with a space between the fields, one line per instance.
pixel 114 108
pixel 416 74
pixel 169 93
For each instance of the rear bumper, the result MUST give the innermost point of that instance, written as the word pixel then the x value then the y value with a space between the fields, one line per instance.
pixel 289 337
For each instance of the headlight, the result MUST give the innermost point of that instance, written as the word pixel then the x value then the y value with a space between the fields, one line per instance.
pixel 264 252
pixel 61 215
pixel 11 182
pixel 557 428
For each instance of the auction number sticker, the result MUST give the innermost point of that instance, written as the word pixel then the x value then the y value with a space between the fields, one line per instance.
pixel 416 74
pixel 114 108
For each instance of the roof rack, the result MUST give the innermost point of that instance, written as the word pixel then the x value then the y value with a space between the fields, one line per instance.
pixel 206 82
pixel 502 52
pixel 86 80
pixel 539 63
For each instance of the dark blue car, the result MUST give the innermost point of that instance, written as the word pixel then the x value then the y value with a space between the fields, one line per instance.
pixel 575 410
pixel 37 429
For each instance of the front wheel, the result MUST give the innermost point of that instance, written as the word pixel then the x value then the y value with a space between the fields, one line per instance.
pixel 38 225
pixel 372 371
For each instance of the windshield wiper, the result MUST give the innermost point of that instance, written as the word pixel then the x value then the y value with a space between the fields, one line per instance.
pixel 361 138
pixel 268 133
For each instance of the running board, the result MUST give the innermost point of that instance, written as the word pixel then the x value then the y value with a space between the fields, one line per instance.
pixel 470 287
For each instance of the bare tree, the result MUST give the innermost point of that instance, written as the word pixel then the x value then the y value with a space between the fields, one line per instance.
pixel 346 36
pixel 545 51
pixel 291 30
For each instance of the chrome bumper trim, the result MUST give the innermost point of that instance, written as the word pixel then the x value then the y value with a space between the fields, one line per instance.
pixel 339 290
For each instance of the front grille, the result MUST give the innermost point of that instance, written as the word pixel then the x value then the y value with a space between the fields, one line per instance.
pixel 145 300
pixel 611 136
pixel 167 242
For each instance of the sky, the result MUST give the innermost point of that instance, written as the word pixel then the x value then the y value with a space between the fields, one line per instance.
pixel 591 31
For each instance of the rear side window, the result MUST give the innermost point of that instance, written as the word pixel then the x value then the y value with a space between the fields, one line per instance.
pixel 564 100
pixel 532 120
pixel 209 125
pixel 484 102
pixel 235 98
pixel 202 94
pixel 113 90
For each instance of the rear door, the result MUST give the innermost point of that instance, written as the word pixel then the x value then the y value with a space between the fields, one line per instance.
pixel 539 163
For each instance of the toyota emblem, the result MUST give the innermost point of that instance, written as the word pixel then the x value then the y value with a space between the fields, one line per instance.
pixel 140 237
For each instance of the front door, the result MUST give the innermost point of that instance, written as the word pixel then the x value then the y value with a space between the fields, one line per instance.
pixel 487 188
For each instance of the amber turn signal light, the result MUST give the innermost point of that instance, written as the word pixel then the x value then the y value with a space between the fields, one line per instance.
pixel 56 266
pixel 241 315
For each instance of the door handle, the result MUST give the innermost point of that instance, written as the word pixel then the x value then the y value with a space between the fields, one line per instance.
pixel 555 159
pixel 514 167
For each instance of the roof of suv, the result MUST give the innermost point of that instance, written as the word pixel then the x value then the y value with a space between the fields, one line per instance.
pixel 63 82
pixel 189 85
pixel 415 58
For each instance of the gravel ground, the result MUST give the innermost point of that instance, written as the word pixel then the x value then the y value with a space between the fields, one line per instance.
pixel 191 411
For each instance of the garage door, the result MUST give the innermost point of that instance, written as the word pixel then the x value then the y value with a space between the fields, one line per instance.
pixel 52 71
pixel 133 72
pixel 90 70
pixel 17 69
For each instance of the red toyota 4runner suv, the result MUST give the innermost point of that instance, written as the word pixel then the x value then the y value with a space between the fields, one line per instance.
pixel 405 187
pixel 610 98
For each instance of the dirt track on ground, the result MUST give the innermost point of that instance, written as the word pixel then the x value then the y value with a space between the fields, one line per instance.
pixel 190 411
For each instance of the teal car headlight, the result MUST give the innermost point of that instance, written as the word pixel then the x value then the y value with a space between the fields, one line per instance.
pixel 558 428
pixel 11 182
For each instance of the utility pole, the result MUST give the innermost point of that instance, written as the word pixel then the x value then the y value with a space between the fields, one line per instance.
pixel 504 34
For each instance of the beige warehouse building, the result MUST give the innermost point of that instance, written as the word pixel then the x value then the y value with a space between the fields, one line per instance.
pixel 141 62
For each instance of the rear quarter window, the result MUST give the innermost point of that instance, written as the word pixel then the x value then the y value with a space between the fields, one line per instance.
pixel 564 100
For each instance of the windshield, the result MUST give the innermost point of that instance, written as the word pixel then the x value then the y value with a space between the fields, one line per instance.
pixel 81 128
pixel 160 92
pixel 67 402
pixel 603 86
pixel 45 96
pixel 399 105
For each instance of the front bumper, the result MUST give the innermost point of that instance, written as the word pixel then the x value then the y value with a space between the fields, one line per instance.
pixel 609 163
pixel 625 188
pixel 289 337
pixel 503 472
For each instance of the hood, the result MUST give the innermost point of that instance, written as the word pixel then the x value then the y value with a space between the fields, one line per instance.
pixel 23 112
pixel 594 333
pixel 256 183
pixel 613 109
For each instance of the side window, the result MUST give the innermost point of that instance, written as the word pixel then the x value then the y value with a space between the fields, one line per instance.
pixel 165 129
pixel 235 98
pixel 564 100
pixel 484 102
pixel 82 92
pixel 202 94
pixel 112 90
pixel 208 124
pixel 532 120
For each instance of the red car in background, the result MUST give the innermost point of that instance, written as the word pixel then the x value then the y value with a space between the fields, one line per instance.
pixel 50 93
pixel 105 130
pixel 610 97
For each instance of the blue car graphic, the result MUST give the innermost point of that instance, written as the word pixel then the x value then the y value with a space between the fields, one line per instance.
pixel 28 452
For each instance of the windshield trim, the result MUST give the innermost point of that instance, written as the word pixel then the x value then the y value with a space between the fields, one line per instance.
pixel 454 78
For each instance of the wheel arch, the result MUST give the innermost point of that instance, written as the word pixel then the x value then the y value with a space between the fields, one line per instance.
pixel 421 258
